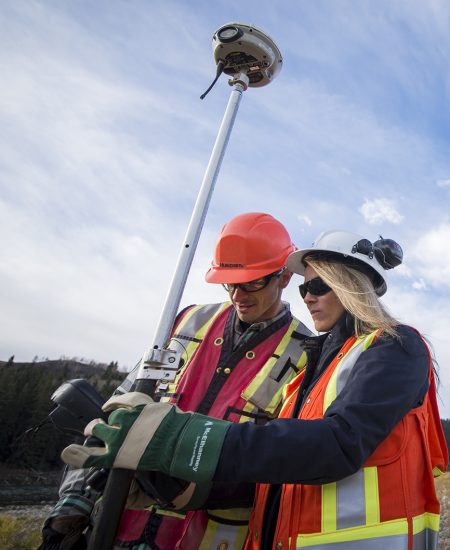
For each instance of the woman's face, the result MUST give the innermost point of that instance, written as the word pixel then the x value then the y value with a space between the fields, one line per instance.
pixel 325 310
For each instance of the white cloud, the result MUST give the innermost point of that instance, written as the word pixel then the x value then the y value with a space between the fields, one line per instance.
pixel 419 285
pixel 377 211
pixel 443 183
pixel 431 253
pixel 431 317
pixel 304 219
pixel 404 271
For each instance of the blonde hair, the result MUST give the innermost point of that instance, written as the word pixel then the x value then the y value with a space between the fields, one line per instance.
pixel 356 293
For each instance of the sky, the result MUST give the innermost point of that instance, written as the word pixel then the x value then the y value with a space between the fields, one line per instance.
pixel 104 143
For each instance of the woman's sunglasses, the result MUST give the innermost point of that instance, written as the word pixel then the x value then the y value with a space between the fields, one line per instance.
pixel 316 287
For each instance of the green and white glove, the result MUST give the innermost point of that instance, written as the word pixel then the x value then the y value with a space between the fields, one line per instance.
pixel 142 435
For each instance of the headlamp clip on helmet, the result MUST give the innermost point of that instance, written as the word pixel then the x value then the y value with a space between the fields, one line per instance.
pixel 387 252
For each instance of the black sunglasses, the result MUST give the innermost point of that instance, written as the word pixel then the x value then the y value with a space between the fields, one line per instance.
pixel 253 286
pixel 316 287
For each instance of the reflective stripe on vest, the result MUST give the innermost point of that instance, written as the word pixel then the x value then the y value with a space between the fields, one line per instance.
pixel 342 371
pixel 266 390
pixel 351 506
pixel 391 535
pixel 222 536
pixel 192 328
pixel 195 323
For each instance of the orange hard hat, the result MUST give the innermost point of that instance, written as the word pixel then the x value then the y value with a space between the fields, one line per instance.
pixel 250 246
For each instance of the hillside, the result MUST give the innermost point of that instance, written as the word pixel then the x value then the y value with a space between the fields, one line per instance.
pixel 25 390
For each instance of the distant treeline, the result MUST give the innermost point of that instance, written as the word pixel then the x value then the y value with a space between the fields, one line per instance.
pixel 25 390
pixel 446 424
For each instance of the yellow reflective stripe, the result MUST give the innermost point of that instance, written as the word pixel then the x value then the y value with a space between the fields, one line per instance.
pixel 328 507
pixel 248 408
pixel 371 495
pixel 162 512
pixel 380 530
pixel 337 509
pixel 232 514
pixel 425 521
pixel 210 534
pixel 219 535
pixel 370 338
pixel 191 347
pixel 201 332
pixel 259 378
pixel 385 529
pixel 267 368
pixel 331 390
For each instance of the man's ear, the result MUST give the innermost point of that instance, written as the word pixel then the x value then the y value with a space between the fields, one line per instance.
pixel 285 277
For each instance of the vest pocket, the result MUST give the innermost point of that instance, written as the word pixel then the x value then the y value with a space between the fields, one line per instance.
pixel 392 447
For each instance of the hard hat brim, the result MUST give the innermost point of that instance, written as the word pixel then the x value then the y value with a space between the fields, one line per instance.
pixel 295 260
pixel 235 276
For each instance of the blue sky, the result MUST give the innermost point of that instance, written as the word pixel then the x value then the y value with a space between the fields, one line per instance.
pixel 105 141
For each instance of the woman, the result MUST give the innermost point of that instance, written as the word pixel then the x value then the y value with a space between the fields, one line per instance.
pixel 350 461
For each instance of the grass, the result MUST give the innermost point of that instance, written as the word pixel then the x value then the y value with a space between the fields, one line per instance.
pixel 19 533
pixel 23 532
pixel 443 491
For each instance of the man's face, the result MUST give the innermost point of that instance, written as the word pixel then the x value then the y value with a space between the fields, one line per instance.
pixel 262 305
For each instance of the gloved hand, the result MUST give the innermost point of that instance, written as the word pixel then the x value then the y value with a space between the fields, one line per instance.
pixel 142 435
pixel 168 493
pixel 191 497
pixel 64 533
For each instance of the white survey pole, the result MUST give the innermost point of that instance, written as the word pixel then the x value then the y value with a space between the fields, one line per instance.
pixel 198 216
pixel 252 59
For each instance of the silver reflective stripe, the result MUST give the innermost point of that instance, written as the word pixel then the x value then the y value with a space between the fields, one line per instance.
pixel 346 366
pixel 344 503
pixel 425 540
pixel 203 314
pixel 268 381
pixel 200 317
pixel 189 334
pixel 350 501
pixel 395 542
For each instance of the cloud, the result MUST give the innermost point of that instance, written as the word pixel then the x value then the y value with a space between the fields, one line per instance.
pixel 377 211
pixel 304 219
pixel 430 317
pixel 431 253
pixel 443 183
pixel 419 285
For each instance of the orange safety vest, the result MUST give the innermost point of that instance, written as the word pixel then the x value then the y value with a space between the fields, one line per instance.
pixel 389 503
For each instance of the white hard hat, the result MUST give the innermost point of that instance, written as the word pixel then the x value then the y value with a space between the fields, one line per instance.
pixel 354 251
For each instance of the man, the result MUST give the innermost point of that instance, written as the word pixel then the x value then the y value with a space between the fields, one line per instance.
pixel 237 357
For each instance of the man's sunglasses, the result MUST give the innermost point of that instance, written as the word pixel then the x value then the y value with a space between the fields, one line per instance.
pixel 253 286
pixel 316 287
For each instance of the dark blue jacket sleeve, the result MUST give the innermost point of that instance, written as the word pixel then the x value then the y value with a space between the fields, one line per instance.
pixel 389 379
